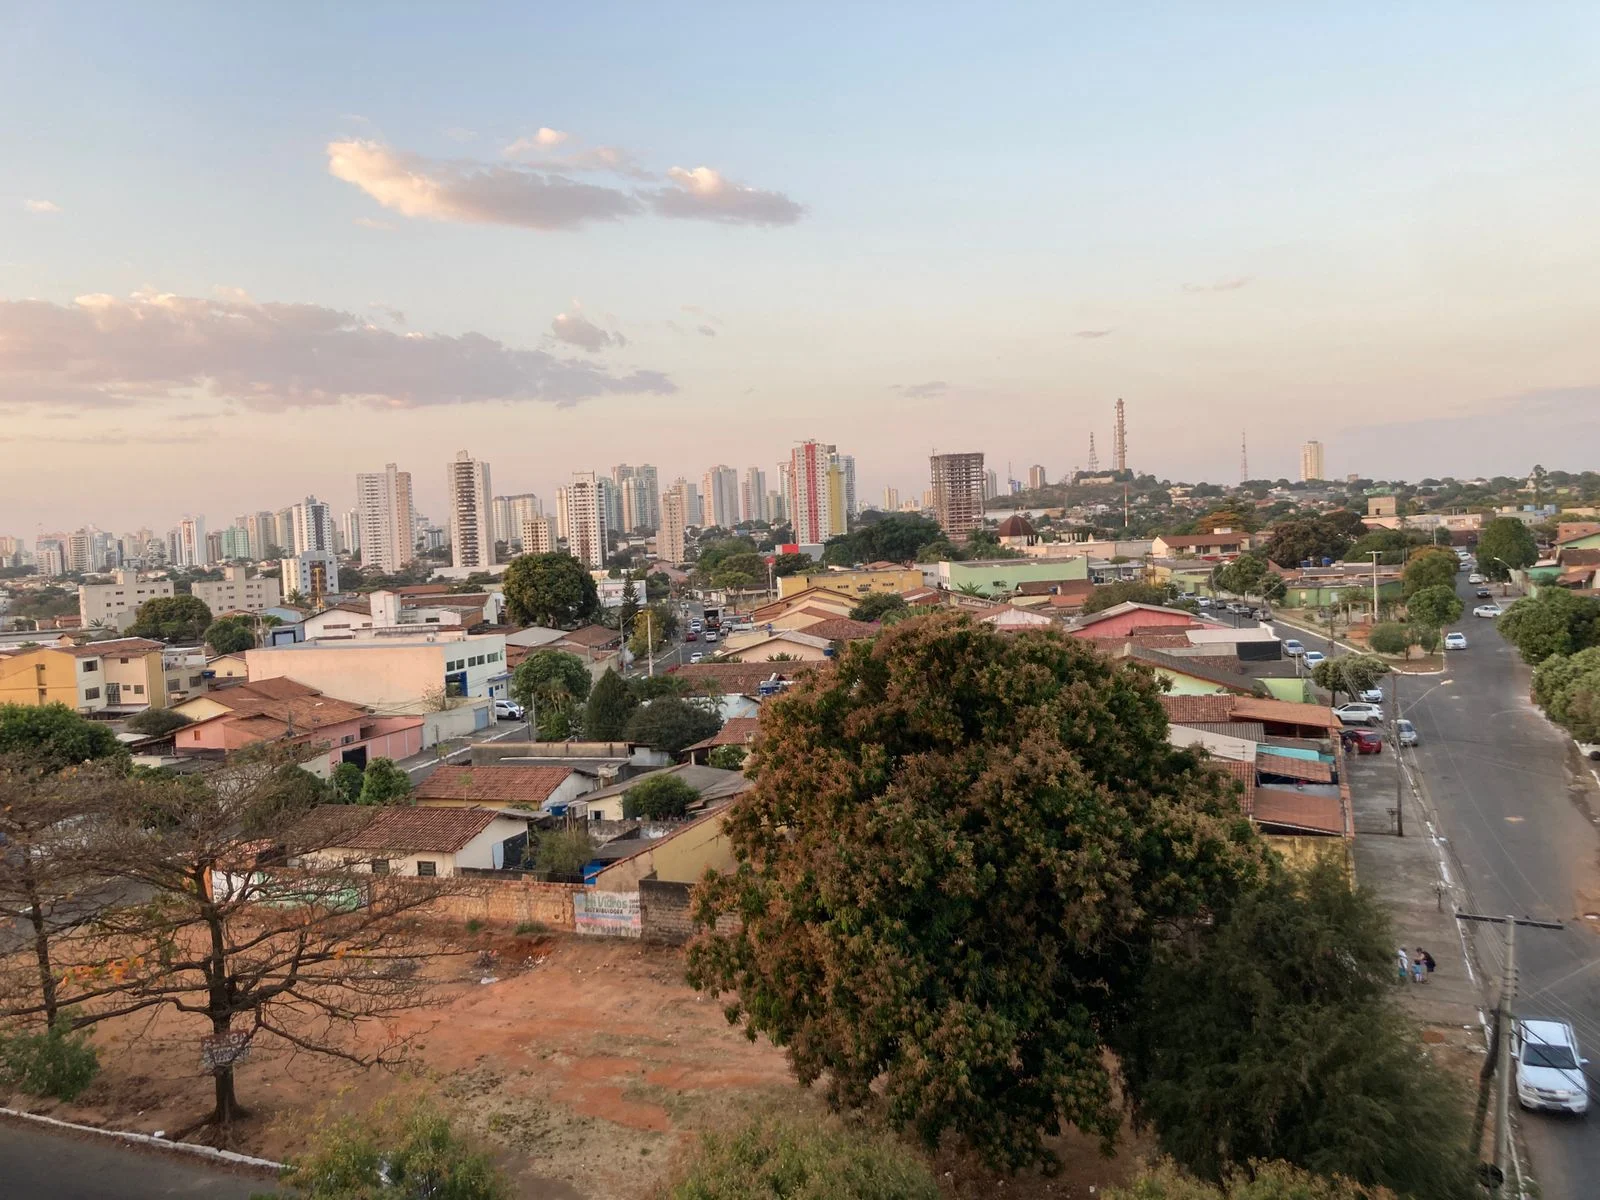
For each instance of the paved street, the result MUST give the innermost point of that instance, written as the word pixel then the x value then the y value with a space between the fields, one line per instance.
pixel 1514 802
pixel 41 1164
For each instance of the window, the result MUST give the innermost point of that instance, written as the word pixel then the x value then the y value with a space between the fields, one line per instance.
pixel 196 680
pixel 90 664
pixel 380 866
pixel 138 689
pixel 91 693
pixel 195 736
pixel 427 867
pixel 123 661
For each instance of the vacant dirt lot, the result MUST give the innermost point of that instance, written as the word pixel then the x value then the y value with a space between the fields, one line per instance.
pixel 590 1065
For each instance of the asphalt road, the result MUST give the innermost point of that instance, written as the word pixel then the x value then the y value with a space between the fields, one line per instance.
pixel 1516 803
pixel 40 1164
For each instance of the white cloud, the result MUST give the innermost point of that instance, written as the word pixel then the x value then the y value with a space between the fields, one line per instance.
pixel 577 330
pixel 1092 333
pixel 103 351
pixel 545 139
pixel 706 195
pixel 499 195
pixel 922 391
pixel 539 194
pixel 1222 285
pixel 41 206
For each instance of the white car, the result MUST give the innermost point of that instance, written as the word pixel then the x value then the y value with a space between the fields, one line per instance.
pixel 508 710
pixel 711 635
pixel 1313 657
pixel 1371 696
pixel 1590 750
pixel 1487 610
pixel 1475 577
pixel 694 658
pixel 1293 648
pixel 1455 641
pixel 1549 1070
pixel 1359 714
pixel 1408 733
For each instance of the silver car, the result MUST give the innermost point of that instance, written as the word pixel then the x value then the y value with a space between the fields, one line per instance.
pixel 1549 1071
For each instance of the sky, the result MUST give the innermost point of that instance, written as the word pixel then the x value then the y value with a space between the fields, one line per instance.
pixel 249 251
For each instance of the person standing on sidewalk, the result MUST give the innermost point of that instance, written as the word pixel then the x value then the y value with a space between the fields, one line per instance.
pixel 1405 965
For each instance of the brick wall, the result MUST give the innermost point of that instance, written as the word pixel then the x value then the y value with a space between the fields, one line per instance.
pixel 508 902
pixel 667 912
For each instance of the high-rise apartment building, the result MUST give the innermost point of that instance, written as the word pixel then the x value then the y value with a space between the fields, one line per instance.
pixel 263 530
pixel 786 489
pixel 524 506
pixel 500 507
pixel 719 496
pixel 213 547
pixel 582 505
pixel 471 516
pixel 1311 464
pixel 350 531
pixel 313 527
pixel 671 537
pixel 753 495
pixel 283 529
pixel 537 534
pixel 891 499
pixel 638 490
pixel 386 518
pixel 814 473
pixel 1036 477
pixel 958 492
pixel 191 548
pixel 80 552
pixel 777 508
pixel 847 500
pixel 234 544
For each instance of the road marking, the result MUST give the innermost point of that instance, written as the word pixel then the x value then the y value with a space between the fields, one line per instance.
pixel 1514 820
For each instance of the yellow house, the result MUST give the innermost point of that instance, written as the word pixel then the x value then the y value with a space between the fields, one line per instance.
pixel 113 677
pixel 853 583
pixel 228 666
pixel 683 857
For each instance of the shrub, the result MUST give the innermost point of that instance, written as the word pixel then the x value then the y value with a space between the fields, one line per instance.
pixel 58 1064
pixel 1265 1181
pixel 153 722
pixel 564 851
pixel 803 1161
pixel 474 925
pixel 526 927
pixel 727 758
pixel 658 796
pixel 1390 637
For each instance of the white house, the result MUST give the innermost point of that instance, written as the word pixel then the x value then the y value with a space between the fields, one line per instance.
pixel 410 840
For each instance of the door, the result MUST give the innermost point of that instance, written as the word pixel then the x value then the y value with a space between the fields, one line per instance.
pixel 357 755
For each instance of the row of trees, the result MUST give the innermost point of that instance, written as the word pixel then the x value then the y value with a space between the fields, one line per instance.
pixel 1567 687
pixel 565 702
pixel 972 868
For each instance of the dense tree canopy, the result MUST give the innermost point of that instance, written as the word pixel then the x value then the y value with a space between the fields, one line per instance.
pixel 1431 568
pixel 1311 539
pixel 1505 545
pixel 156 721
pixel 231 635
pixel 384 782
pixel 898 537
pixel 552 589
pixel 956 857
pixel 50 737
pixel 1391 546
pixel 1555 622
pixel 1249 575
pixel 1276 1035
pixel 1389 637
pixel 1567 687
pixel 171 619
pixel 550 675
pixel 792 564
pixel 1109 595
pixel 605 718
pixel 714 553
pixel 1434 607
pixel 670 723
pixel 876 606
pixel 657 796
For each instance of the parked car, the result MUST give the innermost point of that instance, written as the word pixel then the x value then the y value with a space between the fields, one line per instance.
pixel 1590 750
pixel 692 636
pixel 1362 741
pixel 1371 696
pixel 1313 657
pixel 1475 577
pixel 508 710
pixel 1359 714
pixel 1261 614
pixel 1484 594
pixel 1487 610
pixel 1407 733
pixel 1549 1070
pixel 1455 641
pixel 711 635
pixel 1204 602
pixel 1293 648
pixel 696 657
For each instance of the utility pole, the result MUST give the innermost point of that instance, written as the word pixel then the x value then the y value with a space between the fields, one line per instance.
pixel 1500 1052
pixel 650 642
pixel 1375 587
pixel 1399 770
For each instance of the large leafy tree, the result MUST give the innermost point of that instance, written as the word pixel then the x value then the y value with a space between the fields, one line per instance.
pixel 230 635
pixel 549 589
pixel 713 553
pixel 1111 594
pixel 653 628
pixel 959 851
pixel 1391 546
pixel 50 737
pixel 740 571
pixel 1249 575
pixel 791 564
pixel 1567 687
pixel 1276 1035
pixel 605 718
pixel 172 619
pixel 383 783
pixel 670 723
pixel 1555 622
pixel 876 606
pixel 550 676
pixel 1430 568
pixel 659 795
pixel 1309 539
pixel 1434 607
pixel 1503 543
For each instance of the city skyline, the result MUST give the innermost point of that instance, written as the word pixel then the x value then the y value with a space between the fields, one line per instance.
pixel 515 249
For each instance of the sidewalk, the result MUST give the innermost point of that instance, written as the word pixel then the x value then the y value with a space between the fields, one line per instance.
pixel 1406 873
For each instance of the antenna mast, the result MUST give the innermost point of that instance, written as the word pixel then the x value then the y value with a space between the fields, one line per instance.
pixel 1094 458
pixel 1244 459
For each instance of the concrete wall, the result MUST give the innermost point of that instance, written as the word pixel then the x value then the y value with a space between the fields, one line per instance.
pixel 508 900
pixel 607 914
pixel 464 717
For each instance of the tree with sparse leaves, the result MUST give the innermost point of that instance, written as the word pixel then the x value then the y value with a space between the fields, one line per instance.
pixel 1276 1034
pixel 1351 674
pixel 959 852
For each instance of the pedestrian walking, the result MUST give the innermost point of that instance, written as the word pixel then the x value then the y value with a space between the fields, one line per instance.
pixel 1405 965
pixel 1426 959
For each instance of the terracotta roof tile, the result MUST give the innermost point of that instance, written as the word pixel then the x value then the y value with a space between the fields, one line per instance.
pixel 1186 710
pixel 842 629
pixel 1300 811
pixel 407 829
pixel 1312 770
pixel 527 786
pixel 1285 712
pixel 736 731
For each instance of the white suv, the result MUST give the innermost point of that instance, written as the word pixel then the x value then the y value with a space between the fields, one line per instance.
pixel 1549 1069
pixel 1359 714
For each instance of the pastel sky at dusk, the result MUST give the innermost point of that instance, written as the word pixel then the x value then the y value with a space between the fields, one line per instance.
pixel 246 254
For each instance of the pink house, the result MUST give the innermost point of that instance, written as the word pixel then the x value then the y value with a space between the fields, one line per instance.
pixel 1121 620
pixel 349 731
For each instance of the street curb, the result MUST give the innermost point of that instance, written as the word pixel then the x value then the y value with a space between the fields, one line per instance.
pixel 230 1157
pixel 1317 633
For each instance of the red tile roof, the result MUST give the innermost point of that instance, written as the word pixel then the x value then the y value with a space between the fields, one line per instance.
pixel 236 695
pixel 841 629
pixel 1185 710
pixel 1312 770
pixel 1285 712
pixel 527 786
pixel 737 731
pixel 405 829
pixel 1299 811
pixel 727 678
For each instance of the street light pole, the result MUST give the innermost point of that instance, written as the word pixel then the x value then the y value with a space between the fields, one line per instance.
pixel 1399 767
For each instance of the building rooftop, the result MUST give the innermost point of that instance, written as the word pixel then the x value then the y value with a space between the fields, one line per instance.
pixel 528 786
pixel 404 829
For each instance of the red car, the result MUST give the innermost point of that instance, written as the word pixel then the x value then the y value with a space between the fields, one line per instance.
pixel 1363 741
pixel 691 636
